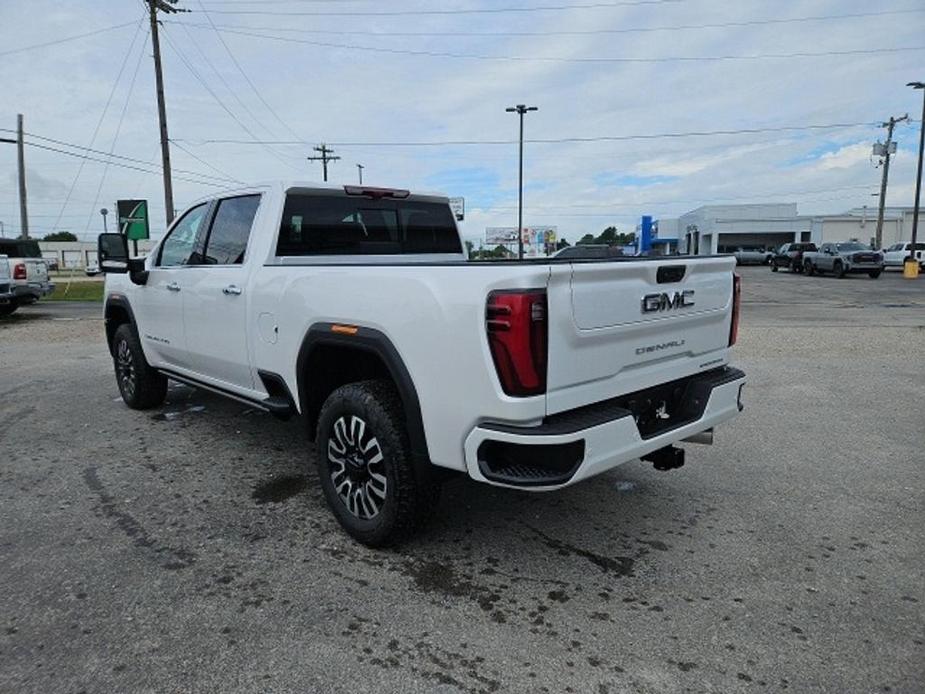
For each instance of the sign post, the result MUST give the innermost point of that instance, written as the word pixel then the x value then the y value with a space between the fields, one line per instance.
pixel 133 221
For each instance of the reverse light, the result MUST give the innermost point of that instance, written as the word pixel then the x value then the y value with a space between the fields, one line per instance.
pixel 19 271
pixel 517 327
pixel 736 306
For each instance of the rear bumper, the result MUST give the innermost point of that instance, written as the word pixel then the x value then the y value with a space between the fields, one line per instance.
pixel 572 446
pixel 33 289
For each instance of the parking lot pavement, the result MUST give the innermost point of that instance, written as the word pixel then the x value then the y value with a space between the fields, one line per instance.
pixel 61 310
pixel 188 549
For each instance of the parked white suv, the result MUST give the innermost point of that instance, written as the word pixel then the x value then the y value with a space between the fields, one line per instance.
pixel 355 309
pixel 7 302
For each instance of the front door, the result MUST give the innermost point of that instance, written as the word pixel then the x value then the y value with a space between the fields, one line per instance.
pixel 215 309
pixel 158 305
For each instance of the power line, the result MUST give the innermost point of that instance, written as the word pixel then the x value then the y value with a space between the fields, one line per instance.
pixel 99 123
pixel 603 61
pixel 221 103
pixel 123 166
pixel 548 141
pixel 483 10
pixel 585 32
pixel 115 138
pixel 75 37
pixel 117 156
pixel 245 75
pixel 204 162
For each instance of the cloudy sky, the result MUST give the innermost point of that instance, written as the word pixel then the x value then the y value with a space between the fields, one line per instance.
pixel 401 86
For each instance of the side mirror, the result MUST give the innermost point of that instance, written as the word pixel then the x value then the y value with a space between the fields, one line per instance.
pixel 112 253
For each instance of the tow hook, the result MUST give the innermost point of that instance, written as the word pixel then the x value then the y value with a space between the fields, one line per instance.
pixel 667 458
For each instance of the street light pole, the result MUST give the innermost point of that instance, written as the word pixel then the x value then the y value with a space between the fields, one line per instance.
pixel 360 168
pixel 104 212
pixel 918 175
pixel 520 109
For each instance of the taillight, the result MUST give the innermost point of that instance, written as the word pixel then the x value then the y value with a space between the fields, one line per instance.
pixel 517 336
pixel 736 305
pixel 19 271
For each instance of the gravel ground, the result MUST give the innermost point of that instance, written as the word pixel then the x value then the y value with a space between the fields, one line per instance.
pixel 189 549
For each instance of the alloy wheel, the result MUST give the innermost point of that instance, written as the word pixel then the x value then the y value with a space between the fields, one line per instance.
pixel 125 368
pixel 357 467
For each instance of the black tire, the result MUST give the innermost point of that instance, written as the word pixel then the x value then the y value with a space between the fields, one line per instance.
pixel 7 309
pixel 140 385
pixel 773 266
pixel 874 274
pixel 808 268
pixel 838 269
pixel 795 266
pixel 365 465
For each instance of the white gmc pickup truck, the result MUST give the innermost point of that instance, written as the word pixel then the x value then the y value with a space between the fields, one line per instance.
pixel 355 309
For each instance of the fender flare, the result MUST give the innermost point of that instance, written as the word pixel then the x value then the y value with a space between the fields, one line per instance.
pixel 377 343
pixel 120 301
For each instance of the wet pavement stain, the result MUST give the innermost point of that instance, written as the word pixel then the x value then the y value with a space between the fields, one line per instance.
pixel 621 566
pixel 278 490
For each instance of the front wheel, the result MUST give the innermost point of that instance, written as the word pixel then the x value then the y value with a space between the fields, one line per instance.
pixel 365 465
pixel 140 385
pixel 874 274
pixel 7 309
pixel 773 267
pixel 838 270
pixel 808 268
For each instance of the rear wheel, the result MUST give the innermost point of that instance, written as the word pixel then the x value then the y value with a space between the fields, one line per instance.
pixel 140 385
pixel 366 468
pixel 808 268
pixel 838 269
pixel 773 266
pixel 874 274
pixel 7 309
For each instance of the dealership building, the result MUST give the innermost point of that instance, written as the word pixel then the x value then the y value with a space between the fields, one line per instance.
pixel 720 228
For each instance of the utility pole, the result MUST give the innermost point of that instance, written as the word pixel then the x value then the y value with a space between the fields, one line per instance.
pixel 889 125
pixel 21 158
pixel 360 168
pixel 521 109
pixel 918 175
pixel 325 157
pixel 167 7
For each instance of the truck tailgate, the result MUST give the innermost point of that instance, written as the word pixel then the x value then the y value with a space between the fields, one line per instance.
pixel 618 327
pixel 36 270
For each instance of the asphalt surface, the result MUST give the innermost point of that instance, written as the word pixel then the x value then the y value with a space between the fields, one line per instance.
pixel 189 549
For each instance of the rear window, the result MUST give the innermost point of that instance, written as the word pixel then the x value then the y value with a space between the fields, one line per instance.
pixel 356 225
pixel 17 248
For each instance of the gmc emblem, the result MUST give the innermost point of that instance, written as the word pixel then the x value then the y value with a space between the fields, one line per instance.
pixel 665 302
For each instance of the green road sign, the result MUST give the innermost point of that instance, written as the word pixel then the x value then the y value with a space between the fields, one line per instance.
pixel 133 219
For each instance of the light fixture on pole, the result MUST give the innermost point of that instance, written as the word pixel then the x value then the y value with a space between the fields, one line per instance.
pixel 913 271
pixel 520 109
pixel 104 212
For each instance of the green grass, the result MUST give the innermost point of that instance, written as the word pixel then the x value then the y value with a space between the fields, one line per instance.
pixel 78 291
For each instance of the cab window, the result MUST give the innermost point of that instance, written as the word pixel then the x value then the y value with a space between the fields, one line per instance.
pixel 231 228
pixel 179 244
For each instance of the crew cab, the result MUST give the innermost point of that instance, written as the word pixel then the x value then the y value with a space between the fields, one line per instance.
pixel 895 255
pixel 355 309
pixel 848 257
pixel 29 271
pixel 790 255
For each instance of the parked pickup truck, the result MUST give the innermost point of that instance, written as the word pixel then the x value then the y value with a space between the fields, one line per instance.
pixel 849 257
pixel 29 271
pixel 355 309
pixel 895 255
pixel 790 255
pixel 7 303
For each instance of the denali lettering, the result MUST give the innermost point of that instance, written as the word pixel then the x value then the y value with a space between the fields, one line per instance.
pixel 659 347
pixel 663 302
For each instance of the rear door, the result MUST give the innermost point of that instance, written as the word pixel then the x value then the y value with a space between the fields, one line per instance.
pixel 617 327
pixel 216 297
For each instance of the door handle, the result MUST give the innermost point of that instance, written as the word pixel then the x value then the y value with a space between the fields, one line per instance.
pixel 231 289
pixel 173 287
